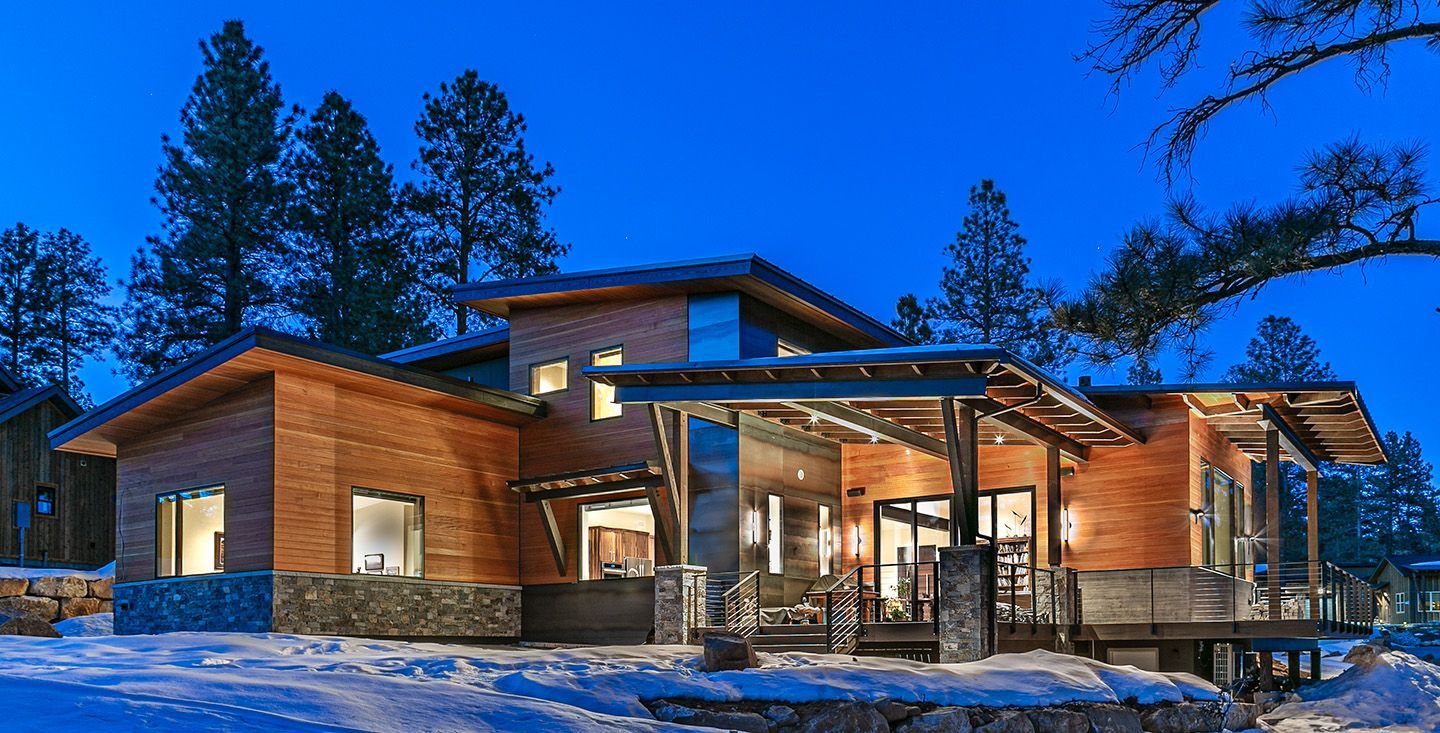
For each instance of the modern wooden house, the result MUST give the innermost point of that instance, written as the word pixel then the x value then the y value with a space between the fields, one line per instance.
pixel 69 499
pixel 1407 589
pixel 528 480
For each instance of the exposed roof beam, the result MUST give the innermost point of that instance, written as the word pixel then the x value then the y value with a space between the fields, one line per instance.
pixel 1289 440
pixel 864 422
pixel 1032 428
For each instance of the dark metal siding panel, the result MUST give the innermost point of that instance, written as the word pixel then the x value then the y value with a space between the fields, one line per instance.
pixel 619 611
pixel 715 518
pixel 714 326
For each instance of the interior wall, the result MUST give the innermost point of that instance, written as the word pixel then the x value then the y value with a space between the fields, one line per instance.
pixel 200 519
pixel 379 528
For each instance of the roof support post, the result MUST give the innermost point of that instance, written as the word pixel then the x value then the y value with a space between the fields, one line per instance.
pixel 1272 521
pixel 1312 539
pixel 1052 505
pixel 667 508
pixel 552 535
pixel 962 443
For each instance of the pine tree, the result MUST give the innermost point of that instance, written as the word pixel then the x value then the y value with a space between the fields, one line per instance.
pixel 479 206
pixel 1342 533
pixel 986 296
pixel 75 323
pixel 1143 372
pixel 355 285
pixel 20 309
pixel 1398 497
pixel 223 199
pixel 910 320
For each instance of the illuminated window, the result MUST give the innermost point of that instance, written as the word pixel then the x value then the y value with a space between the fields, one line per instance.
pixel 190 532
pixel 45 500
pixel 602 396
pixel 549 377
pixel 786 348
pixel 387 533
pixel 774 535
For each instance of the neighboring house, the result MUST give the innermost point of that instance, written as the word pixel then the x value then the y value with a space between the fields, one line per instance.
pixel 1407 589
pixel 526 481
pixel 70 498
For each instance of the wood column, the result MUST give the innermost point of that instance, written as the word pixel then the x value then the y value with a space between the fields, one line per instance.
pixel 682 482
pixel 1312 538
pixel 1053 503
pixel 962 446
pixel 1272 522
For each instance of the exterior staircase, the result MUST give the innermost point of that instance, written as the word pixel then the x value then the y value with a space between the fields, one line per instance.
pixel 775 638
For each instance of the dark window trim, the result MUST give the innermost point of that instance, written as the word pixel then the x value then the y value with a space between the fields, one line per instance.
pixel 419 501
pixel 580 529
pixel 178 548
pixel 530 376
pixel 875 521
pixel 595 385
pixel 54 499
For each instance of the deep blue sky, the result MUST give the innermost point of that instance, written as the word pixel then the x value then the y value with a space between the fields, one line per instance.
pixel 836 140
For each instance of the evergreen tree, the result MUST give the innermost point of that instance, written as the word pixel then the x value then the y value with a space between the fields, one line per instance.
pixel 986 296
pixel 354 285
pixel 910 320
pixel 223 199
pixel 75 323
pixel 1143 372
pixel 20 309
pixel 479 205
pixel 1398 497
pixel 1342 532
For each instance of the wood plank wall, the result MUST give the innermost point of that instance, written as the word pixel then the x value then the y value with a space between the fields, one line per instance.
pixel 1207 444
pixel 228 441
pixel 330 440
pixel 82 530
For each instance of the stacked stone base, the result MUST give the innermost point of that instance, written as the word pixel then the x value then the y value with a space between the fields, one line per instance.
pixel 314 603
pixel 54 597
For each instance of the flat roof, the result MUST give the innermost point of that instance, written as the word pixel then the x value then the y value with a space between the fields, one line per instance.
pixel 72 435
pixel 748 273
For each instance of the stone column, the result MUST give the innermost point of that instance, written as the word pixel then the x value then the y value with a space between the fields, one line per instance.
pixel 1067 608
pixel 679 591
pixel 967 603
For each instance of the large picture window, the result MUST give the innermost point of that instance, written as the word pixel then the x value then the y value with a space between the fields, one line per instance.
pixel 602 396
pixel 617 540
pixel 190 532
pixel 387 533
pixel 1223 519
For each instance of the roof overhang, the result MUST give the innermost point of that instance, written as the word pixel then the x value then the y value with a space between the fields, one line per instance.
pixel 1321 421
pixel 866 396
pixel 256 353
pixel 12 405
pixel 8 382
pixel 747 273
pixel 456 350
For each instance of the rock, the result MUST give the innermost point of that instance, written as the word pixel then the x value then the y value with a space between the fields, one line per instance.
pixel 1118 719
pixel 939 720
pixel 72 607
pixel 669 712
pixel 13 587
pixel 1056 720
pixel 33 606
pixel 1182 718
pixel 781 715
pixel 59 586
pixel 728 652
pixel 1008 721
pixel 103 588
pixel 107 607
pixel 1242 716
pixel 852 717
pixel 27 626
pixel 893 711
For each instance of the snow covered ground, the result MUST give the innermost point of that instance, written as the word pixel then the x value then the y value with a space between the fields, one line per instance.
pixel 281 683
pixel 1380 690
pixel 9 571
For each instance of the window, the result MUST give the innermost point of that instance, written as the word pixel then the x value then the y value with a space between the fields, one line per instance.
pixel 617 540
pixel 387 533
pixel 774 534
pixel 602 396
pixel 45 500
pixel 827 548
pixel 1222 519
pixel 787 348
pixel 549 377
pixel 1432 601
pixel 190 532
pixel 1400 604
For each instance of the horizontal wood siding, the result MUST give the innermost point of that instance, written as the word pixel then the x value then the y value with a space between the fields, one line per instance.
pixel 537 564
pixel 229 441
pixel 1207 444
pixel 330 439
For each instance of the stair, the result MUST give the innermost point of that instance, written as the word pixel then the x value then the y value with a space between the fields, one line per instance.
pixel 775 638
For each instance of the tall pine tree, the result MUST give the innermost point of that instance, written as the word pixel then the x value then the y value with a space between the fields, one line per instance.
pixel 223 198
pixel 479 204
pixel 354 285
pixel 75 323
pixel 910 320
pixel 1400 499
pixel 20 305
pixel 986 293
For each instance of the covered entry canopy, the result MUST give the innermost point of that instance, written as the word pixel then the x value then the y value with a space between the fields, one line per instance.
pixel 892 395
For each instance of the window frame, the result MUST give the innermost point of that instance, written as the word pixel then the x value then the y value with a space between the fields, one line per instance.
pixel 53 502
pixel 373 493
pixel 565 360
pixel 775 533
pixel 177 546
pixel 595 386
pixel 784 344
pixel 582 542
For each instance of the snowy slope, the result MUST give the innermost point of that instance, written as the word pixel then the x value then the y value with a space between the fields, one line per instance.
pixel 280 682
pixel 1382 690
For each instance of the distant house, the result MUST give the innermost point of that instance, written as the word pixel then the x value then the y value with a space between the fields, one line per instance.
pixel 70 498
pixel 1408 589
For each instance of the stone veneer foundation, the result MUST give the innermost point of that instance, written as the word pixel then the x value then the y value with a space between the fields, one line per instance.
pixel 966 618
pixel 314 603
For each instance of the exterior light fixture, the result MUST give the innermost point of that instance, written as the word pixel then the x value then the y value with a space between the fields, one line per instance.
pixel 754 526
pixel 857 540
pixel 874 439
pixel 814 419
pixel 1196 515
pixel 999 439
pixel 800 474
pixel 1065 525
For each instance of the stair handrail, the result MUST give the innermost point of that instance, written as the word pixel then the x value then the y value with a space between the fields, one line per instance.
pixel 741 603
pixel 844 620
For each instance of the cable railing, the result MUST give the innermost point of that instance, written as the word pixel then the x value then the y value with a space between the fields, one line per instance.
pixel 843 611
pixel 732 601
pixel 1035 602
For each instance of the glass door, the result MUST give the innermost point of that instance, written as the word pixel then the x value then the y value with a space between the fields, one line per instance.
pixel 910 533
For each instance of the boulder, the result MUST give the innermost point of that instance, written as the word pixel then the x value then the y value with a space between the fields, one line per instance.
pixel 26 626
pixel 59 586
pixel 852 717
pixel 107 607
pixel 13 587
pixel 669 712
pixel 1242 716
pixel 1008 721
pixel 32 606
pixel 781 715
pixel 103 588
pixel 1057 720
pixel 1114 718
pixel 894 711
pixel 1182 718
pixel 939 720
pixel 728 652
pixel 72 607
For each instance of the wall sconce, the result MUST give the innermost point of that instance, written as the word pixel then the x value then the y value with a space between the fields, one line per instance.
pixel 1065 525
pixel 857 540
pixel 1196 515
pixel 754 526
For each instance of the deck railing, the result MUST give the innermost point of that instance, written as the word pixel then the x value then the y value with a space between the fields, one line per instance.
pixel 1036 602
pixel 731 600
